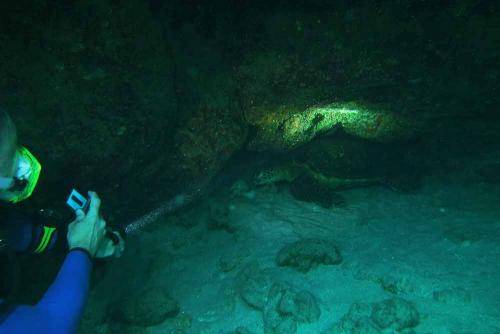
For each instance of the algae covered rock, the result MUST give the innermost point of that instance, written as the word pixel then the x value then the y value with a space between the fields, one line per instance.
pixel 356 320
pixel 396 285
pixel 283 306
pixel 306 254
pixel 286 307
pixel 273 324
pixel 148 307
pixel 302 306
pixel 395 313
pixel 284 130
pixel 207 140
pixel 253 284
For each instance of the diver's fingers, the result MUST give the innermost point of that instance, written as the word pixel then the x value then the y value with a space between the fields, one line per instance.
pixel 101 223
pixel 95 204
pixel 121 245
pixel 79 215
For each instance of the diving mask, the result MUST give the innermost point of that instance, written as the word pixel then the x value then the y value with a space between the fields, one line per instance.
pixel 26 174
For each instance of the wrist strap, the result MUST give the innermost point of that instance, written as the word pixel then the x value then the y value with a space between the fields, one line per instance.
pixel 83 250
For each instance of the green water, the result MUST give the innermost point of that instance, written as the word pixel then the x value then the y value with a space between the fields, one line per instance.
pixel 375 124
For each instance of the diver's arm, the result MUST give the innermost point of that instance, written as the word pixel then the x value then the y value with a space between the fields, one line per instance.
pixel 66 297
pixel 61 307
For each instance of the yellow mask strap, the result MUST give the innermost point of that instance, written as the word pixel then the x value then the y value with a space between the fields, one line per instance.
pixel 32 180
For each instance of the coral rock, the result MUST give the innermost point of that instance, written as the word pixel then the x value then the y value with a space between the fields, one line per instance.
pixel 206 142
pixel 284 130
pixel 305 254
pixel 395 313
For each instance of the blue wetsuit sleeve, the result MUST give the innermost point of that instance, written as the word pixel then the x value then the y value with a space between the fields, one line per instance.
pixel 61 307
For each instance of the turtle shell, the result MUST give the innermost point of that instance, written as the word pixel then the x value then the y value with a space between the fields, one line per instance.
pixel 346 158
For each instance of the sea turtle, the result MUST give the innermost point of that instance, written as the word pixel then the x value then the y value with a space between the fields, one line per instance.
pixel 293 170
pixel 328 164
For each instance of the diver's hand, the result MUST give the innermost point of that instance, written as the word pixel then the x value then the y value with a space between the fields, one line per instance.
pixel 87 230
pixel 108 248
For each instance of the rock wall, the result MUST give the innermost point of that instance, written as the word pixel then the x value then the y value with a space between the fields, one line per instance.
pixel 136 100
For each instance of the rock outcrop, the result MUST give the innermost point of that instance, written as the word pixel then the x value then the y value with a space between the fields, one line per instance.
pixel 285 129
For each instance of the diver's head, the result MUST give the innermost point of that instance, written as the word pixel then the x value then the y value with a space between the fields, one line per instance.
pixel 19 169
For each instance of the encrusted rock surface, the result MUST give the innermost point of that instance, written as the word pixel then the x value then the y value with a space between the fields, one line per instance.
pixel 395 315
pixel 283 306
pixel 305 254
pixel 284 130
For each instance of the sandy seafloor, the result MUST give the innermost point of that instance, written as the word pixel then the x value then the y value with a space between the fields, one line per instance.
pixel 444 237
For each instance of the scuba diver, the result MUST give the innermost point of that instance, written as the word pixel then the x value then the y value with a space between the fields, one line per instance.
pixel 84 239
